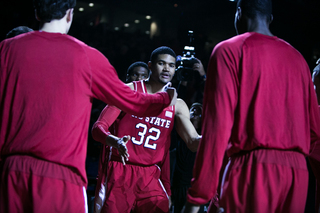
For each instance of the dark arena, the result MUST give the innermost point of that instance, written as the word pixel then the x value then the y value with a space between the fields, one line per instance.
pixel 160 106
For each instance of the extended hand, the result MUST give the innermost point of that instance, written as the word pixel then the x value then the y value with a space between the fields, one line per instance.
pixel 122 148
pixel 172 92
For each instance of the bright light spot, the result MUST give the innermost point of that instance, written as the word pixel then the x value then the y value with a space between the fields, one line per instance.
pixel 91 4
pixel 148 32
pixel 137 21
pixel 148 17
pixel 188 48
pixel 81 9
pixel 175 5
pixel 116 28
pixel 153 29
pixel 231 0
pixel 126 25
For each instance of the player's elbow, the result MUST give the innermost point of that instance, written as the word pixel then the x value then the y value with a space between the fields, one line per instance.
pixel 97 132
pixel 193 145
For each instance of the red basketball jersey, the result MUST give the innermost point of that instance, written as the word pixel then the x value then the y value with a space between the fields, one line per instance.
pixel 150 136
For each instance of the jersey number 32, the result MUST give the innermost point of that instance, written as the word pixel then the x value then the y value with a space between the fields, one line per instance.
pixel 147 139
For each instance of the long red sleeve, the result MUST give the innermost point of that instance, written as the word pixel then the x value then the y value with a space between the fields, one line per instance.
pixel 248 106
pixel 47 83
pixel 100 129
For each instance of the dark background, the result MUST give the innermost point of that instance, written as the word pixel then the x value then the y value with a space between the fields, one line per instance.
pixel 296 21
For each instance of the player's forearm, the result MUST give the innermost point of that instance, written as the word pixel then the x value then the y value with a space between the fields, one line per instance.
pixel 112 141
pixel 193 142
pixel 187 132
pixel 99 132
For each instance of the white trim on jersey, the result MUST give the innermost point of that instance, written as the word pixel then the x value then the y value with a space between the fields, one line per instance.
pixel 110 154
pixel 134 86
pixel 142 85
pixel 99 201
pixel 165 191
pixel 85 199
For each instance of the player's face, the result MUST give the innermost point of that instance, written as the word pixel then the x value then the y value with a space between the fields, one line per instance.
pixel 138 74
pixel 163 68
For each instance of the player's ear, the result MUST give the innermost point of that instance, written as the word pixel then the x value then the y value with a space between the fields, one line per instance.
pixel 239 13
pixel 36 15
pixel 69 14
pixel 149 65
pixel 270 18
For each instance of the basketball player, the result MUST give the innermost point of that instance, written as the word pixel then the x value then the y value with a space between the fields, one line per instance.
pixel 47 82
pixel 137 71
pixel 260 106
pixel 129 179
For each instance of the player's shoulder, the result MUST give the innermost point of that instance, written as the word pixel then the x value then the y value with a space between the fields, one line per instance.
pixel 180 106
pixel 130 85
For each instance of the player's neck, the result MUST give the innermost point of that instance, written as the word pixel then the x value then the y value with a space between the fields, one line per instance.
pixel 55 26
pixel 154 86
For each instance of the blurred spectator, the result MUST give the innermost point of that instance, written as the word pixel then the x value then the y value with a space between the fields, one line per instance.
pixel 137 71
pixel 17 31
pixel 182 172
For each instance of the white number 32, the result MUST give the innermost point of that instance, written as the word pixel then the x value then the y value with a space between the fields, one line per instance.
pixel 142 134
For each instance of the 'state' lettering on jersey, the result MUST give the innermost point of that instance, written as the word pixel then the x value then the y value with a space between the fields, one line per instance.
pixel 156 121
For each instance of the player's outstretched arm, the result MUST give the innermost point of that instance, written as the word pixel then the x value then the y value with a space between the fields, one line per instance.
pixel 100 132
pixel 120 144
pixel 184 126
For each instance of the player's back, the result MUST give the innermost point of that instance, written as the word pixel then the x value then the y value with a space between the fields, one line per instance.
pixel 45 97
pixel 273 86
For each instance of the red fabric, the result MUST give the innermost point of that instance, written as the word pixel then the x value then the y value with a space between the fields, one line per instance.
pixel 100 129
pixel 165 173
pixel 254 182
pixel 150 136
pixel 258 94
pixel 47 83
pixel 134 187
pixel 154 133
pixel 26 185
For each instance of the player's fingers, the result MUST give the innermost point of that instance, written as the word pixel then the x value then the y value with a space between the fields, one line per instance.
pixel 166 86
pixel 123 161
pixel 126 139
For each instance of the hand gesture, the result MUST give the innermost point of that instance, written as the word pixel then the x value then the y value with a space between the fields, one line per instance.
pixel 172 92
pixel 122 148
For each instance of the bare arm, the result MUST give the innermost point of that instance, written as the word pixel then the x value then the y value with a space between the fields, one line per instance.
pixel 184 126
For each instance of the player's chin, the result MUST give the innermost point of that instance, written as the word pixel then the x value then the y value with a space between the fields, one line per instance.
pixel 164 80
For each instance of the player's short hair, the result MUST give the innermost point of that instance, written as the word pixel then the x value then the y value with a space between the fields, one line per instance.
pixel 196 104
pixel 17 31
pixel 137 64
pixel 160 51
pixel 48 10
pixel 316 71
pixel 254 8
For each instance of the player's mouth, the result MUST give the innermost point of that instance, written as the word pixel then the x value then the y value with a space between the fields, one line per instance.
pixel 165 75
